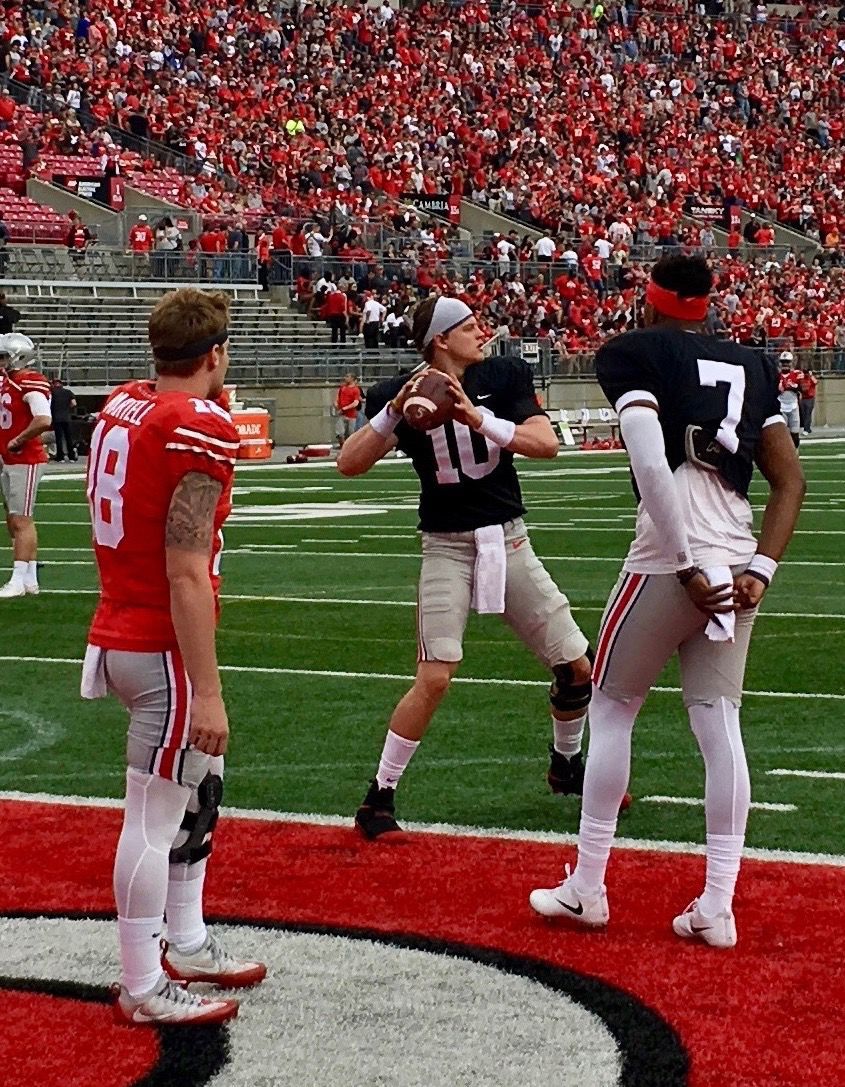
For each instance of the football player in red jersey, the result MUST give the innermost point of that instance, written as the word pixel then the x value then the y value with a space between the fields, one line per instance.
pixel 24 416
pixel 159 487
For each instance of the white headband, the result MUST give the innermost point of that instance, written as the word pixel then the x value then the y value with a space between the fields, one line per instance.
pixel 448 314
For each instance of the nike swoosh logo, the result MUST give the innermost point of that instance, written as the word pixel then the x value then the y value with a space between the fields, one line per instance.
pixel 703 928
pixel 577 910
pixel 485 396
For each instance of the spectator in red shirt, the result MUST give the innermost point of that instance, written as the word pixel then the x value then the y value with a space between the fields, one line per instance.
pixel 347 402
pixel 807 385
pixel 334 312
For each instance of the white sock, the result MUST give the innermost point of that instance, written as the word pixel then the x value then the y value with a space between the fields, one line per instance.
pixel 152 816
pixel 140 953
pixel 727 797
pixel 568 735
pixel 185 925
pixel 19 570
pixel 724 854
pixel 31 574
pixel 395 756
pixel 606 778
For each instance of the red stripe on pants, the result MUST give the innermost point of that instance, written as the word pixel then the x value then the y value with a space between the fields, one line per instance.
pixel 179 733
pixel 613 623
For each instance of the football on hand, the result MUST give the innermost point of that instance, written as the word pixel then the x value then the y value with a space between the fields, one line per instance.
pixel 430 402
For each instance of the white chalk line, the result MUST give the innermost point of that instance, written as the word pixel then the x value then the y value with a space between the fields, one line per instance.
pixel 823 775
pixel 246 598
pixel 325 673
pixel 777 856
pixel 297 552
pixel 698 802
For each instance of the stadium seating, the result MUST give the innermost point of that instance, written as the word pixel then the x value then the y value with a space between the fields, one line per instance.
pixel 549 107
pixel 27 221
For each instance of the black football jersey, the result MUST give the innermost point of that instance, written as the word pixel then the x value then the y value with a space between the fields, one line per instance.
pixel 466 481
pixel 728 390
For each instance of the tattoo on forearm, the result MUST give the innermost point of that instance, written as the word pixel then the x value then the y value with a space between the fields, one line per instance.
pixel 190 519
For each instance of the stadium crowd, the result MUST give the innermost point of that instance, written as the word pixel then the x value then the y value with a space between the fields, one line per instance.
pixel 543 110
pixel 304 122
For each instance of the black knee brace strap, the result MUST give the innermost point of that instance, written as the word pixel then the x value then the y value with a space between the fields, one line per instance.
pixel 567 696
pixel 200 824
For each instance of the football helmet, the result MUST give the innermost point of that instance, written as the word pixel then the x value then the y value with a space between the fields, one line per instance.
pixel 15 350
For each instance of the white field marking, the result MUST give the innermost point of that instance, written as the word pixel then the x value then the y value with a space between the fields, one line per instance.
pixel 777 856
pixel 698 802
pixel 42 734
pixel 281 490
pixel 245 598
pixel 487 681
pixel 328 465
pixel 297 552
pixel 828 775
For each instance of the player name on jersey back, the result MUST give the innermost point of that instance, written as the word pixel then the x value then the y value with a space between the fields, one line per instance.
pixel 129 410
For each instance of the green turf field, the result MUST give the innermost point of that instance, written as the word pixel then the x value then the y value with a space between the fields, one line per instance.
pixel 318 627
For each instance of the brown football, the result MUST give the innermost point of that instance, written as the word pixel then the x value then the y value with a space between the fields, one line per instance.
pixel 430 402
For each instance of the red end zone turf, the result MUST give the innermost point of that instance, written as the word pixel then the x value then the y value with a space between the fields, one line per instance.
pixel 767 1014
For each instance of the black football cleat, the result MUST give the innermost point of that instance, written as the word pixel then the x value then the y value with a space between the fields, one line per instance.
pixel 376 816
pixel 565 776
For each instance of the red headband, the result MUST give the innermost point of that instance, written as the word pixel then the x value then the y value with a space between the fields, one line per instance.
pixel 670 304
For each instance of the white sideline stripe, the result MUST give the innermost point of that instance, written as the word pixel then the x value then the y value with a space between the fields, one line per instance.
pixel 259 599
pixel 544 837
pixel 615 560
pixel 255 669
pixel 828 775
pixel 698 802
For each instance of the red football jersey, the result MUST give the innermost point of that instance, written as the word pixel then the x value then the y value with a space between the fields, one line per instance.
pixel 16 415
pixel 144 443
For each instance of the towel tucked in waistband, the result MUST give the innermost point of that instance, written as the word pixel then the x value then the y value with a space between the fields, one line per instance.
pixel 489 574
pixel 721 627
pixel 94 673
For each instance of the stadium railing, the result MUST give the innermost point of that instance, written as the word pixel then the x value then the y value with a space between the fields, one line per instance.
pixel 97 263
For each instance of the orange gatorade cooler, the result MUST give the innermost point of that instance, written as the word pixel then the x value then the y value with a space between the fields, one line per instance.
pixel 253 426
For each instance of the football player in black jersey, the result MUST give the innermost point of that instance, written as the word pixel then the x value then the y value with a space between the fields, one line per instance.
pixel 476 552
pixel 696 413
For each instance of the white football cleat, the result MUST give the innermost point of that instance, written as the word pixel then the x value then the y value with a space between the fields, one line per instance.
pixel 31 588
pixel 565 901
pixel 12 588
pixel 213 965
pixel 169 1004
pixel 718 931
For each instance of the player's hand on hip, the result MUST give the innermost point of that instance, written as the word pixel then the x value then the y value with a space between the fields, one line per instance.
pixel 209 724
pixel 711 599
pixel 748 591
pixel 464 411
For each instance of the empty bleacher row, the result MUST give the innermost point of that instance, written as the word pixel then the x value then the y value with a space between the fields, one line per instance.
pixel 101 339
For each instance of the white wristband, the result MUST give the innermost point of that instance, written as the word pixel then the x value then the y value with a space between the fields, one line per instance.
pixel 764 566
pixel 499 431
pixel 386 421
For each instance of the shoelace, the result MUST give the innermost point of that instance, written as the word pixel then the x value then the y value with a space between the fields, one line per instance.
pixel 177 994
pixel 219 955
